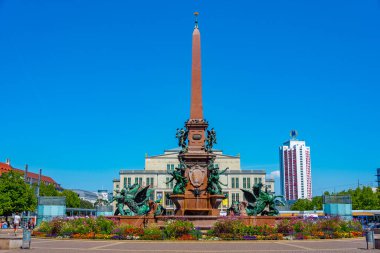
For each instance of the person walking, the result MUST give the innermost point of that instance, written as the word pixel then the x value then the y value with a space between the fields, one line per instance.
pixel 16 222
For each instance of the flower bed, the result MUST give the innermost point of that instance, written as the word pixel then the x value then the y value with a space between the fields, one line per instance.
pixel 224 229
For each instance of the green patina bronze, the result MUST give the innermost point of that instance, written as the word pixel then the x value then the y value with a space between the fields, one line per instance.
pixel 182 135
pixel 180 180
pixel 213 183
pixel 136 198
pixel 160 210
pixel 210 140
pixel 261 202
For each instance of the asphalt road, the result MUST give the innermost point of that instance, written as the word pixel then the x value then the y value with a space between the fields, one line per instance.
pixel 91 246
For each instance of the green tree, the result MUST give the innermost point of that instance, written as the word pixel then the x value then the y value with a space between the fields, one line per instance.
pixel 363 198
pixel 48 190
pixel 86 204
pixel 317 202
pixel 15 194
pixel 72 199
pixel 302 205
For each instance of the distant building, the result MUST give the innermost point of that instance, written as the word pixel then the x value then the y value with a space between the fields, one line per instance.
pixel 295 169
pixel 378 177
pixel 32 178
pixel 86 195
pixel 156 168
pixel 103 194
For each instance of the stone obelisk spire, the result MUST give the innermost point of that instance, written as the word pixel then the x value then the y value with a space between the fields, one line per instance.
pixel 196 110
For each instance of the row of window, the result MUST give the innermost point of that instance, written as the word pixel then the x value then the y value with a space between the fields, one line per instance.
pixel 138 180
pixel 235 182
pixel 246 182
pixel 170 167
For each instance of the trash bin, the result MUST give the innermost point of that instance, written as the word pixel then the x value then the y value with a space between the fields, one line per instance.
pixel 26 238
pixel 369 238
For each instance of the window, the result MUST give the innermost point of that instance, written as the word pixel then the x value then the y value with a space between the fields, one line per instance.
pixel 168 201
pixel 117 186
pixel 232 182
pixel 138 180
pixel 244 182
pixel 169 185
pixel 125 182
pixel 235 196
pixel 129 181
pixel 256 180
pixel 169 167
pixel 260 180
pixel 248 182
pixel 237 183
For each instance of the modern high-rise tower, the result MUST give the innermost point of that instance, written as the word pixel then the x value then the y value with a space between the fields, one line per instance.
pixel 295 169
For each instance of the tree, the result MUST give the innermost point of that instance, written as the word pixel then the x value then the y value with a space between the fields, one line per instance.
pixel 86 204
pixel 317 202
pixel 15 194
pixel 302 205
pixel 363 198
pixel 72 199
pixel 47 190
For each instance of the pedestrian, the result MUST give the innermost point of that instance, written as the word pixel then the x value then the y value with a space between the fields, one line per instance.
pixel 16 222
pixel 30 224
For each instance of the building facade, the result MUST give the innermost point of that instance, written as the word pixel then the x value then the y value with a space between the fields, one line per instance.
pixel 156 175
pixel 295 170
pixel 89 196
pixel 31 178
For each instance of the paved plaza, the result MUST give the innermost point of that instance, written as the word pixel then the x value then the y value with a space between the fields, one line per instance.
pixel 84 246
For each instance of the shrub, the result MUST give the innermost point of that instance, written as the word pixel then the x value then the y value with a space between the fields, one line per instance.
pixel 44 227
pixel 285 226
pixel 176 229
pixel 152 233
pixel 103 225
pixel 230 227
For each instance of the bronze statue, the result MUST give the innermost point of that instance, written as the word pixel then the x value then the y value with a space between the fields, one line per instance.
pixel 213 183
pixel 182 135
pixel 210 140
pixel 181 181
pixel 261 202
pixel 119 203
pixel 135 198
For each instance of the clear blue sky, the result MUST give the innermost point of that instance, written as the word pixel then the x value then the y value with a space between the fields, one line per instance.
pixel 89 87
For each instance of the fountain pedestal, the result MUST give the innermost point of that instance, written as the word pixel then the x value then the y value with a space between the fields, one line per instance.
pixel 188 204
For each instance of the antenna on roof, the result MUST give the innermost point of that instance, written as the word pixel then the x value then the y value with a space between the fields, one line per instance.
pixel 26 173
pixel 293 134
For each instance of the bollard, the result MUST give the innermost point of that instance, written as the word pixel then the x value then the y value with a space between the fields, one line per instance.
pixel 26 238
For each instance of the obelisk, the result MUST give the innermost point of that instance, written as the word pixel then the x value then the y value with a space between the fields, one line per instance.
pixel 196 110
pixel 196 124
